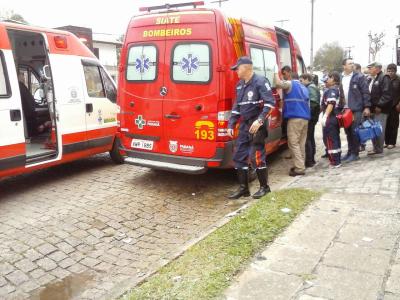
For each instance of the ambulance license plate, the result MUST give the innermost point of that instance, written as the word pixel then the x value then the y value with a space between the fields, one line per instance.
pixel 142 144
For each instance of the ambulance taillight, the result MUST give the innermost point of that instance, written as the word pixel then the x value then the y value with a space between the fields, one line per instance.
pixel 61 42
pixel 224 113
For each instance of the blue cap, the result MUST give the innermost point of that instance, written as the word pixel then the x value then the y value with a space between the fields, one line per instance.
pixel 244 60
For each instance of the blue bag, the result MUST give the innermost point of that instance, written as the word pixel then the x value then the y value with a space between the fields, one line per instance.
pixel 369 130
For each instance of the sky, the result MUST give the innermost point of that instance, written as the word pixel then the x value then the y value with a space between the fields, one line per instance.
pixel 345 21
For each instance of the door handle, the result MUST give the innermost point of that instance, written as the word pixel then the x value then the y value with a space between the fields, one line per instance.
pixel 15 115
pixel 172 116
pixel 89 107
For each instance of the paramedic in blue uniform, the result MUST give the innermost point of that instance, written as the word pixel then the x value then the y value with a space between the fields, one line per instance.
pixel 254 102
pixel 331 106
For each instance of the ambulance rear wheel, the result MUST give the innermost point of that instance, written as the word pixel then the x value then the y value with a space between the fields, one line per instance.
pixel 115 155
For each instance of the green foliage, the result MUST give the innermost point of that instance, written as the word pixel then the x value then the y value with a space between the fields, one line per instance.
pixel 10 15
pixel 329 57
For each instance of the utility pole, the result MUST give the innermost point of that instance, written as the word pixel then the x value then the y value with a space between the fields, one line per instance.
pixel 281 21
pixel 312 37
pixel 347 53
pixel 369 47
pixel 219 2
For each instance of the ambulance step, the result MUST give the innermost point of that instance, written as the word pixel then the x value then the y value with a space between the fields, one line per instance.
pixel 152 164
pixel 31 159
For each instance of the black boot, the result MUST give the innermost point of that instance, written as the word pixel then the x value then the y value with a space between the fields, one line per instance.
pixel 252 174
pixel 262 175
pixel 243 191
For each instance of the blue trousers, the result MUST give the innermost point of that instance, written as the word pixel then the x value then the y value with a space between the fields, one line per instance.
pixel 352 139
pixel 247 146
pixel 331 135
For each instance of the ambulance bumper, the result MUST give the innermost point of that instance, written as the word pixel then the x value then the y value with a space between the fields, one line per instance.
pixel 182 164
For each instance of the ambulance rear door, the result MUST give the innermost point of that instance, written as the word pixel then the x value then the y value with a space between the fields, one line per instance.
pixel 191 87
pixel 142 85
pixel 12 136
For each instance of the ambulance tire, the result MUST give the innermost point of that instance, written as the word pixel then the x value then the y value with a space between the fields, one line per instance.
pixel 115 155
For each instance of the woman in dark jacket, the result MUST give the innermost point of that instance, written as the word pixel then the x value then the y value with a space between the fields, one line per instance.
pixel 331 106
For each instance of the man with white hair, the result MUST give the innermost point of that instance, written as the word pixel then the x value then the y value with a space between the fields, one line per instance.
pixel 381 99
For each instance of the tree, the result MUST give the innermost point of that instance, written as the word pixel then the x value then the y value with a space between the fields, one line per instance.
pixel 375 44
pixel 11 15
pixel 329 57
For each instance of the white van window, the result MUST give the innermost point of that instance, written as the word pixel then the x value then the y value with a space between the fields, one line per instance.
pixel 284 50
pixel 142 63
pixel 258 61
pixel 27 76
pixel 94 83
pixel 4 91
pixel 264 62
pixel 270 64
pixel 191 63
pixel 300 66
pixel 35 84
pixel 110 88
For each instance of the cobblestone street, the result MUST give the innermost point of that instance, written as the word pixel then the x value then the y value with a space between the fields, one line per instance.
pixel 91 229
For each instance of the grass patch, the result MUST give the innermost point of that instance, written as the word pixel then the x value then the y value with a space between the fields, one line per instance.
pixel 206 269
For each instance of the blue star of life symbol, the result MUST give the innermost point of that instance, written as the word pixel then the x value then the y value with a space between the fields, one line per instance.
pixel 140 122
pixel 190 64
pixel 142 64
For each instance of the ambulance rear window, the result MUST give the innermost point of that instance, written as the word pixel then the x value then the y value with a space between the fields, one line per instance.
pixel 191 63
pixel 4 86
pixel 142 63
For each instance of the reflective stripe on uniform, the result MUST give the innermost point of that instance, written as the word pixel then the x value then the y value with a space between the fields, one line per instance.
pixel 334 151
pixel 235 112
pixel 251 102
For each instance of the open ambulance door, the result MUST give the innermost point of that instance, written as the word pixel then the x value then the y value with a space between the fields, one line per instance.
pixel 12 137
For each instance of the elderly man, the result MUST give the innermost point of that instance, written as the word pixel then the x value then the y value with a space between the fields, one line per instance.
pixel 381 99
pixel 253 103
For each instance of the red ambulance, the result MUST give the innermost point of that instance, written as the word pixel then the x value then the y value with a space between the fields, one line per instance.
pixel 176 88
pixel 57 102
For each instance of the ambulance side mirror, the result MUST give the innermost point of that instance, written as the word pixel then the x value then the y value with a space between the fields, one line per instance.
pixel 46 72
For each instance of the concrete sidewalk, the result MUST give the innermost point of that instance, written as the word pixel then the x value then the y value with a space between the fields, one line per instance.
pixel 344 246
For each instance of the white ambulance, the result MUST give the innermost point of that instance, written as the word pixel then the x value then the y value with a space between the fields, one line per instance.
pixel 57 102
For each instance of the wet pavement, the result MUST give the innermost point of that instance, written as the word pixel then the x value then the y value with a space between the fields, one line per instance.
pixel 92 230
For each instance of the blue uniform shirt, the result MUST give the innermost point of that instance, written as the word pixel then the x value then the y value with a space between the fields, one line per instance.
pixel 253 100
pixel 331 96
